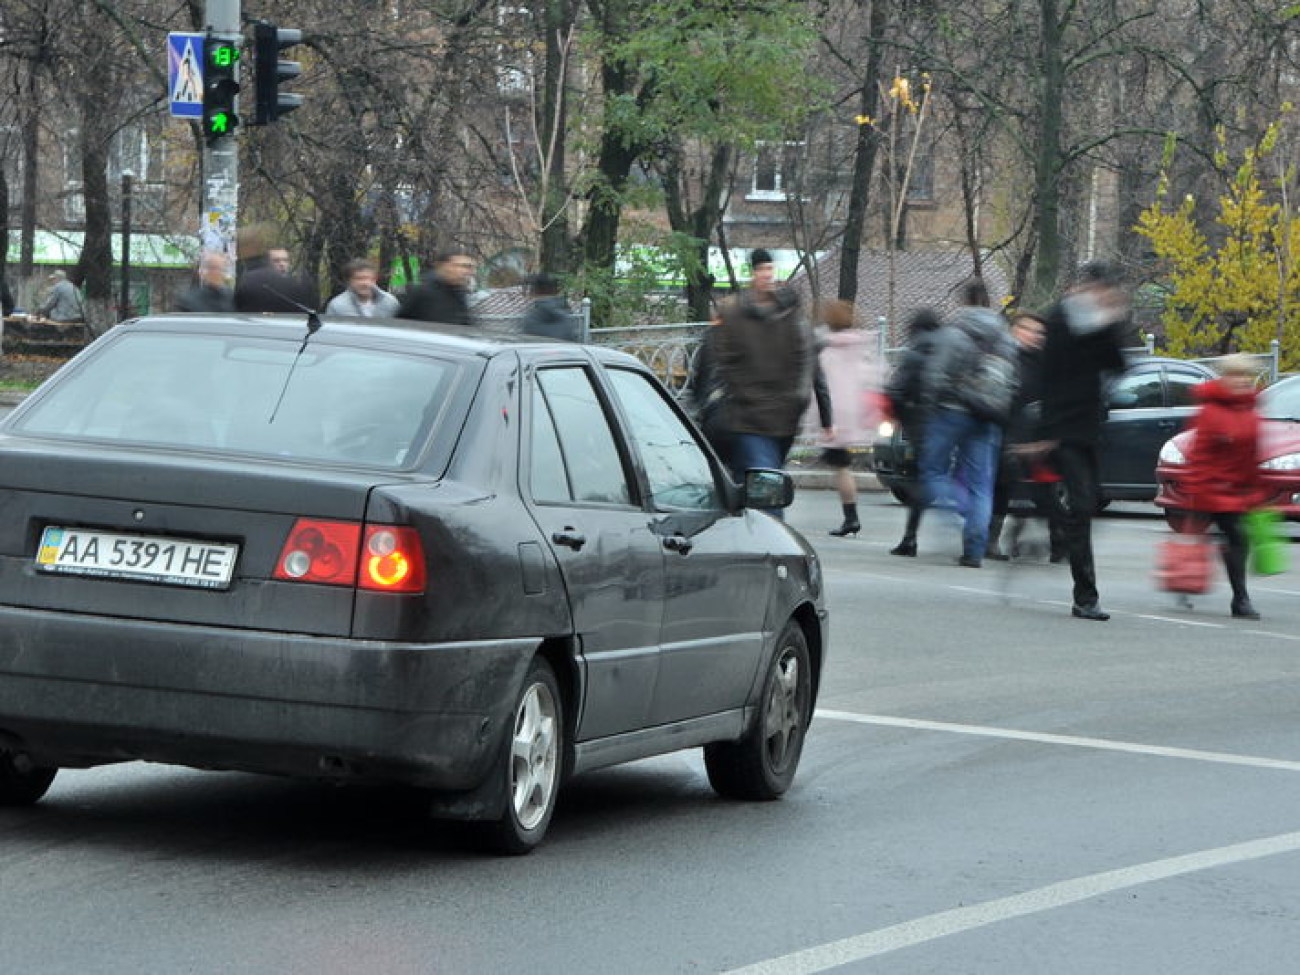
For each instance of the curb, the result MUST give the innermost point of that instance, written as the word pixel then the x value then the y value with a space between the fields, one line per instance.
pixel 823 479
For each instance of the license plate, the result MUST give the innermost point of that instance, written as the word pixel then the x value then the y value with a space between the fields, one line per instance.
pixel 143 558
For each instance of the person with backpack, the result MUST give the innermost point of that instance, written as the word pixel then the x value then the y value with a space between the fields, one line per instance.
pixel 974 384
pixel 911 403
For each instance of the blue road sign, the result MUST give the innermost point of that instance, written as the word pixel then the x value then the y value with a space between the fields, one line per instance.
pixel 185 74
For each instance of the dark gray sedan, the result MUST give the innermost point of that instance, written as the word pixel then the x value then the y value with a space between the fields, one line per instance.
pixel 390 552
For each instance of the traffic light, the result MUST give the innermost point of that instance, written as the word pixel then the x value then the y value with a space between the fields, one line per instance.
pixel 269 71
pixel 220 85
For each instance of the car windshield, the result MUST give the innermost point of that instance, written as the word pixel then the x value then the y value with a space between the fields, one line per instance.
pixel 1281 401
pixel 248 395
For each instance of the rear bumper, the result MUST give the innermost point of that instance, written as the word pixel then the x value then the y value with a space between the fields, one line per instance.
pixel 85 690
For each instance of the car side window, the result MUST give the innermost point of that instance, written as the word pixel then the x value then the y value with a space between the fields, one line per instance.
pixel 548 479
pixel 1179 386
pixel 589 452
pixel 1136 390
pixel 678 471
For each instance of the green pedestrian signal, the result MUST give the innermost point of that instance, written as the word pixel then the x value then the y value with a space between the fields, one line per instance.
pixel 220 86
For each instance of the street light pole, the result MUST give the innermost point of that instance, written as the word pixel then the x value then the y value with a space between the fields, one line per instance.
pixel 125 307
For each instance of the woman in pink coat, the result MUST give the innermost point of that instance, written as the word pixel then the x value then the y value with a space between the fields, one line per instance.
pixel 849 380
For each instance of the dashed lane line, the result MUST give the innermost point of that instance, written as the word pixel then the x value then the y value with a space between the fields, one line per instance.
pixel 1075 741
pixel 846 951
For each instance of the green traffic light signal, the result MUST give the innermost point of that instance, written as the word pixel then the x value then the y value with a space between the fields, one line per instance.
pixel 220 86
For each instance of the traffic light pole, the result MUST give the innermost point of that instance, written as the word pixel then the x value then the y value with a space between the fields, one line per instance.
pixel 218 220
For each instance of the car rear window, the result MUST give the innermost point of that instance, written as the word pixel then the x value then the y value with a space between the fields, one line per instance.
pixel 248 395
pixel 1281 402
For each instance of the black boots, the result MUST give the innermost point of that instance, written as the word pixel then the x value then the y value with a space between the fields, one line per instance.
pixel 851 525
pixel 1243 610
pixel 906 547
pixel 993 548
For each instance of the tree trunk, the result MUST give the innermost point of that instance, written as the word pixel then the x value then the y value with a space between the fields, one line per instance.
pixel 1047 159
pixel 698 223
pixel 95 267
pixel 864 156
pixel 556 246
pixel 31 169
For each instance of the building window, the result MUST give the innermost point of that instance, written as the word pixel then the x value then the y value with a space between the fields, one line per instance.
pixel 775 170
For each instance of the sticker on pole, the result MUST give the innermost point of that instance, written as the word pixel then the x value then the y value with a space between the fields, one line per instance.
pixel 185 74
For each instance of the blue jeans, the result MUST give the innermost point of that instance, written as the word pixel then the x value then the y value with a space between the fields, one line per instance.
pixel 753 450
pixel 958 465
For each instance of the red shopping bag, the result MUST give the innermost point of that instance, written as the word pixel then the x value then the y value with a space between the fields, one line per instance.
pixel 1185 563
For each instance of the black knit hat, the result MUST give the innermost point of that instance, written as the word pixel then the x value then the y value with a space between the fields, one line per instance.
pixel 760 255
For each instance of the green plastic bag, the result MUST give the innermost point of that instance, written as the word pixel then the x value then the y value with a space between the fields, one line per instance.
pixel 1268 544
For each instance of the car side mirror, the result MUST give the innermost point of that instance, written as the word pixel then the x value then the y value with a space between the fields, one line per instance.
pixel 768 489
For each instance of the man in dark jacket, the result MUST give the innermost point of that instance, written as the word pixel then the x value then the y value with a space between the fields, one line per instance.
pixel 763 353
pixel 266 285
pixel 6 298
pixel 910 400
pixel 1084 344
pixel 548 316
pixel 210 293
pixel 442 296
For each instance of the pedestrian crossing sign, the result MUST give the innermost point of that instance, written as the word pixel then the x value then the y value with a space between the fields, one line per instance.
pixel 185 74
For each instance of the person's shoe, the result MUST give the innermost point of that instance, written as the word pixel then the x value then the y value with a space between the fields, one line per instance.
pixel 968 562
pixel 1243 610
pixel 1090 612
pixel 850 527
pixel 906 547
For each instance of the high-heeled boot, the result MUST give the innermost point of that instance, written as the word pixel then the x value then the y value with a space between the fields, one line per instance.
pixel 851 525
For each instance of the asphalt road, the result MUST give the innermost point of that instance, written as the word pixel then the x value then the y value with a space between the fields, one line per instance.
pixel 990 787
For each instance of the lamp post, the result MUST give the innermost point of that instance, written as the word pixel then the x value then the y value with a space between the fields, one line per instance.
pixel 125 307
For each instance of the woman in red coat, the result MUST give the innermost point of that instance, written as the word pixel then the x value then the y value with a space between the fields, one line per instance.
pixel 1222 478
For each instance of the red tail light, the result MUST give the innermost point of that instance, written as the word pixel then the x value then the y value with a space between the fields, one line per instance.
pixel 392 560
pixel 320 551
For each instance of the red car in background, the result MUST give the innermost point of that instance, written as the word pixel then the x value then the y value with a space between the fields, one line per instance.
pixel 1279 453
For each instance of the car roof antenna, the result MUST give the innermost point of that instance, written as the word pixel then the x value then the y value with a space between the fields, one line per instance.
pixel 313 326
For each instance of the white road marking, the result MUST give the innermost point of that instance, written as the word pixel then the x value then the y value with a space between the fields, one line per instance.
pixel 920 930
pixel 1102 744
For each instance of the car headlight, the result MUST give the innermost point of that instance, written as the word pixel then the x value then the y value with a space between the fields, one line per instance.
pixel 886 429
pixel 1287 462
pixel 1170 454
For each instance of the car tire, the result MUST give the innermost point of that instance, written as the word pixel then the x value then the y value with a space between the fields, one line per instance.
pixel 531 763
pixel 25 786
pixel 761 765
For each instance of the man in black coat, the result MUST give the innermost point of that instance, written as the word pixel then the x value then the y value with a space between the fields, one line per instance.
pixel 1084 345
pixel 267 286
pixel 6 298
pixel 211 293
pixel 442 296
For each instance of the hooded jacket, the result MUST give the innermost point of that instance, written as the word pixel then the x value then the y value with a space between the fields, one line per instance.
pixel 1223 459
pixel 959 342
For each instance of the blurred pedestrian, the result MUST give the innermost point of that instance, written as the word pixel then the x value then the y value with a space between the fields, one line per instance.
pixel 62 303
pixel 843 360
pixel 1029 331
pixel 212 291
pixel 6 298
pixel 548 315
pixel 266 283
pixel 910 393
pixel 362 298
pixel 1222 478
pixel 1084 345
pixel 443 295
pixel 974 387
pixel 763 353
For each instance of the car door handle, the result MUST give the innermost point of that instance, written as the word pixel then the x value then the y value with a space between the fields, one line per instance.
pixel 570 538
pixel 678 543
